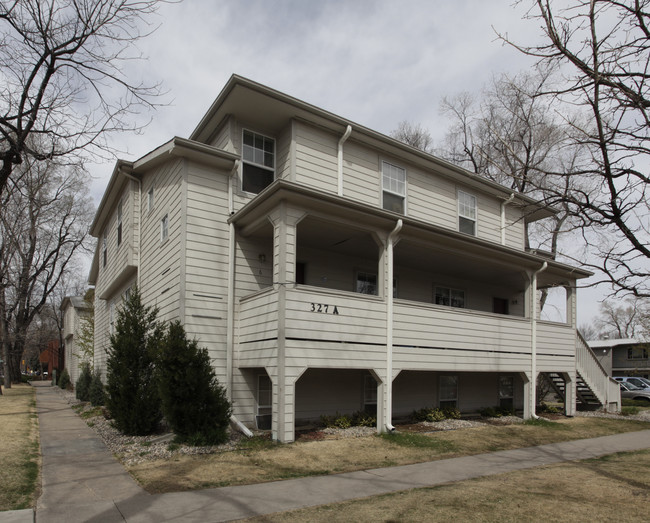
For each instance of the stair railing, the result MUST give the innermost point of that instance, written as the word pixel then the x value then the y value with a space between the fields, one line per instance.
pixel 606 389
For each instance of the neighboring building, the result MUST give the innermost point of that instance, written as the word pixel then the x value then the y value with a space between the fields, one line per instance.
pixel 74 309
pixel 49 358
pixel 330 268
pixel 623 357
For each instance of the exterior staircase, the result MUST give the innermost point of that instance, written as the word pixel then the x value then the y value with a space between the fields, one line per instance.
pixel 594 388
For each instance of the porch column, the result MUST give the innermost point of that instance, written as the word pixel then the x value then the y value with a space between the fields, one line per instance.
pixel 570 384
pixel 571 305
pixel 284 222
pixel 529 401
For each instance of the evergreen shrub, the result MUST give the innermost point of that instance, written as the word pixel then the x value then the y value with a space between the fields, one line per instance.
pixel 64 379
pixel 132 393
pixel 96 394
pixel 83 383
pixel 193 402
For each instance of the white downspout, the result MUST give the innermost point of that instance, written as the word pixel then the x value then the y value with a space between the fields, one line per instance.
pixel 230 326
pixel 533 341
pixel 139 182
pixel 389 327
pixel 345 136
pixel 503 217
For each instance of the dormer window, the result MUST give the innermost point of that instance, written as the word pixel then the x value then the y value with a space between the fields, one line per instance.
pixel 394 187
pixel 258 155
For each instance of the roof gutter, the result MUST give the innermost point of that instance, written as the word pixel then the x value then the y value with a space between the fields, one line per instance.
pixel 346 135
pixel 533 339
pixel 388 407
pixel 503 217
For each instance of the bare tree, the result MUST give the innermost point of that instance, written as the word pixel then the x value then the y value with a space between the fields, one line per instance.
pixel 414 135
pixel 602 49
pixel 511 136
pixel 64 77
pixel 629 319
pixel 44 221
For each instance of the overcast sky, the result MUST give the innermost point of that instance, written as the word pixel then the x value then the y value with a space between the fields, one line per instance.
pixel 373 62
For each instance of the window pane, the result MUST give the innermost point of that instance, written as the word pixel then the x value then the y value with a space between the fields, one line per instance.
pixel 506 386
pixel 442 296
pixel 457 298
pixel 255 179
pixel 466 226
pixel 366 283
pixel 448 388
pixel 258 149
pixel 393 203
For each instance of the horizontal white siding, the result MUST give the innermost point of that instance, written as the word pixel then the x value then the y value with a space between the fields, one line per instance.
pixel 316 158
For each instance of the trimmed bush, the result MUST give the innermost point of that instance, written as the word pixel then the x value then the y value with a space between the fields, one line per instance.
pixel 132 392
pixel 193 402
pixel 64 380
pixel 83 383
pixel 96 393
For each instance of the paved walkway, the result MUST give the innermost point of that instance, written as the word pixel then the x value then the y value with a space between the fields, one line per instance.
pixel 83 482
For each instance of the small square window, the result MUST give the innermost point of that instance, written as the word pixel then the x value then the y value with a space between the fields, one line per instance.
pixel 366 283
pixel 104 249
pixel 164 228
pixel 119 223
pixel 150 198
pixel 449 297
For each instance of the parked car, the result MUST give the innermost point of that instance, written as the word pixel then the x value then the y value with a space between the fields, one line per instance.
pixel 631 391
pixel 642 383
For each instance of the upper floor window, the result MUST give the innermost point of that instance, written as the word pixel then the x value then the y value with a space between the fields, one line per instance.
pixel 150 199
pixel 466 213
pixel 258 155
pixel 366 283
pixel 164 228
pixel 104 249
pixel 449 297
pixel 119 223
pixel 393 187
pixel 637 353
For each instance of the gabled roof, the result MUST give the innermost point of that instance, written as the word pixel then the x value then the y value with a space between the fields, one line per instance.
pixel 273 110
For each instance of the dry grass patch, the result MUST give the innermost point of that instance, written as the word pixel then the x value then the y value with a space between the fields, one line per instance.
pixel 19 448
pixel 612 488
pixel 259 460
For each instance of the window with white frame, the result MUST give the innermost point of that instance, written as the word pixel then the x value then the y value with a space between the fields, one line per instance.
pixel 449 297
pixel 466 213
pixel 366 283
pixel 164 228
pixel 506 392
pixel 104 249
pixel 264 395
pixel 258 166
pixel 150 199
pixel 448 392
pixel 369 394
pixel 393 188
pixel 119 223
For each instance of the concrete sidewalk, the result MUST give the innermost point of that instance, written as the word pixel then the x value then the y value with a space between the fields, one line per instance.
pixel 83 482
